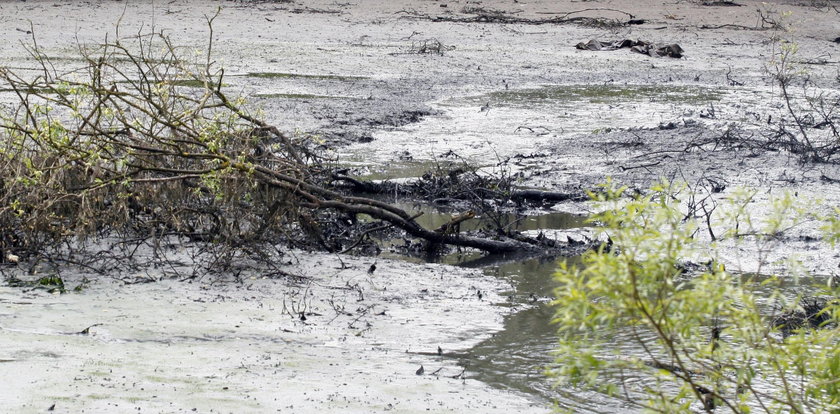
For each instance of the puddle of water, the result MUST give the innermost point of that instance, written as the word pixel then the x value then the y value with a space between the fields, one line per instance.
pixel 433 217
pixel 516 357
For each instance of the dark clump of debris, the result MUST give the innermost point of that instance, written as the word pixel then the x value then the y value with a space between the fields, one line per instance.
pixel 430 46
pixel 812 312
pixel 725 3
pixel 646 48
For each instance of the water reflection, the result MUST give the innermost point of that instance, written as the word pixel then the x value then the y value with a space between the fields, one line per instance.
pixel 517 357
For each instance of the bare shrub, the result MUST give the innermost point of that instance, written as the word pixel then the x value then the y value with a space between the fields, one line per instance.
pixel 811 125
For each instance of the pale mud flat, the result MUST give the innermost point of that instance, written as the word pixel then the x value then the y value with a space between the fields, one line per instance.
pixel 222 346
pixel 174 346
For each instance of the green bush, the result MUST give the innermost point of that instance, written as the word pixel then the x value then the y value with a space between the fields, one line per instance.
pixel 701 337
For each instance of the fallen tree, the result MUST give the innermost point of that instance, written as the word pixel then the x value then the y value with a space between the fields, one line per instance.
pixel 140 143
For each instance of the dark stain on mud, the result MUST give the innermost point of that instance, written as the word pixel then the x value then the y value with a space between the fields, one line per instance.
pixel 397 119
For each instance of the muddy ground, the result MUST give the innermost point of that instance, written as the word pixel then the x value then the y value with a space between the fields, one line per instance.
pixel 332 338
pixel 392 88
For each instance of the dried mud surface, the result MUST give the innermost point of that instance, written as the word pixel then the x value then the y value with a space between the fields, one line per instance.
pixel 350 74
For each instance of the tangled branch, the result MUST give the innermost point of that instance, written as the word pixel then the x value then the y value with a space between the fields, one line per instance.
pixel 142 143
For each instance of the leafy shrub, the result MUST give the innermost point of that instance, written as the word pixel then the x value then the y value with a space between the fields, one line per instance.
pixel 704 335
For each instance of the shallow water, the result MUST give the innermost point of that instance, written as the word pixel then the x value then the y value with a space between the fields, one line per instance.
pixel 517 357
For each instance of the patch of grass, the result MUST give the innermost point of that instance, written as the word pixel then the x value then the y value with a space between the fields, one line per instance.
pixel 159 379
pixel 286 75
pixel 297 96
pixel 45 91
pixel 13 281
pixel 600 94
pixel 99 396
pixel 51 283
pixel 193 83
pixel 60 398
pixel 82 285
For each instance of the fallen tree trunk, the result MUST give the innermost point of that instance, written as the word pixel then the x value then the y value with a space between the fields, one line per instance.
pixel 129 149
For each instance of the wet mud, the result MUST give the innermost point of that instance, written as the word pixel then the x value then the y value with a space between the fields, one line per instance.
pixel 335 338
pixel 351 78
